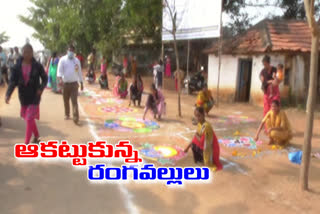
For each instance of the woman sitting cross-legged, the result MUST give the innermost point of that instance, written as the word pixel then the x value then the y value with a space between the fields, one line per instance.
pixel 155 102
pixel 205 145
pixel 278 126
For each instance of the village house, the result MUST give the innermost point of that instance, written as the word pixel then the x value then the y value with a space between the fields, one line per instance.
pixel 286 41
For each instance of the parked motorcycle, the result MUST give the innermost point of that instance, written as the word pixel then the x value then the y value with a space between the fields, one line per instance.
pixel 117 69
pixel 194 83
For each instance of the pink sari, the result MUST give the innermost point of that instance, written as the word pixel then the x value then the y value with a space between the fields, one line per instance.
pixel 103 68
pixel 162 105
pixel 267 101
pixel 120 90
pixel 168 68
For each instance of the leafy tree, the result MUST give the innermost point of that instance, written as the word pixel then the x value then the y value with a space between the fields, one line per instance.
pixel 143 19
pixel 294 9
pixel 104 24
pixel 3 38
pixel 240 23
pixel 240 20
pixel 59 22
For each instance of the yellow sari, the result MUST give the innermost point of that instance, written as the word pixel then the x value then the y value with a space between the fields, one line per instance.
pixel 209 144
pixel 204 100
pixel 278 121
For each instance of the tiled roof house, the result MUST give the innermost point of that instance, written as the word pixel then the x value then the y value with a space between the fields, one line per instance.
pixel 287 42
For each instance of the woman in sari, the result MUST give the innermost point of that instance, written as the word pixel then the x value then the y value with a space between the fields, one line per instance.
pixel 266 78
pixel 103 65
pixel 205 99
pixel 277 124
pixel 205 145
pixel 156 103
pixel 26 74
pixel 134 66
pixel 168 67
pixel 121 87
pixel 53 72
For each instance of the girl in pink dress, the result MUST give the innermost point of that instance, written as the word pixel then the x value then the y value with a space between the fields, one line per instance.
pixel 168 67
pixel 26 75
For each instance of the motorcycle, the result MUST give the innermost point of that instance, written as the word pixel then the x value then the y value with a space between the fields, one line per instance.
pixel 117 69
pixel 194 83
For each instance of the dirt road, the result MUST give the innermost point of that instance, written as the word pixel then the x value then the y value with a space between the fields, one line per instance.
pixel 262 183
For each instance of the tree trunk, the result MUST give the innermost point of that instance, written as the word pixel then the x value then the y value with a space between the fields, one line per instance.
pixel 304 170
pixel 178 74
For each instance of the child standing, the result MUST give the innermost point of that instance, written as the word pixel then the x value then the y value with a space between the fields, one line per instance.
pixel 277 79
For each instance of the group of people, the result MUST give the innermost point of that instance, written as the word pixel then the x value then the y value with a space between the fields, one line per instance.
pixel 91 75
pixel 205 146
pixel 6 66
pixel 275 121
pixel 155 101
pixel 31 79
pixel 161 69
pixel 7 62
pixel 130 66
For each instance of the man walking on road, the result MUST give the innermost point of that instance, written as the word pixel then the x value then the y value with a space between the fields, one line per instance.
pixel 69 74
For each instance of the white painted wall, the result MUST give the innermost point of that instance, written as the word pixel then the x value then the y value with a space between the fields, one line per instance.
pixel 228 74
pixel 299 81
pixel 257 67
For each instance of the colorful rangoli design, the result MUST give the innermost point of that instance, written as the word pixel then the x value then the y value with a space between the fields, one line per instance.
pixel 164 154
pixel 90 94
pixel 116 109
pixel 100 101
pixel 240 142
pixel 128 124
pixel 233 120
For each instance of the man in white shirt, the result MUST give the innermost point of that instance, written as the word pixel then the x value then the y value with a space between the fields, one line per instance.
pixel 157 74
pixel 69 73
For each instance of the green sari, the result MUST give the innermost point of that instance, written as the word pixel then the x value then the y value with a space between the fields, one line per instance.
pixel 53 74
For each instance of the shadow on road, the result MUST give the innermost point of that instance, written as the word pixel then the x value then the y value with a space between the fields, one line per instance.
pixel 14 128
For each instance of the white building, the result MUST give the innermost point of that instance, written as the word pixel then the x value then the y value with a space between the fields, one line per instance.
pixel 286 42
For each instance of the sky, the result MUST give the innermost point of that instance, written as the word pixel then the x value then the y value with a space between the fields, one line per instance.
pixel 18 31
pixel 10 23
